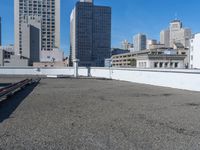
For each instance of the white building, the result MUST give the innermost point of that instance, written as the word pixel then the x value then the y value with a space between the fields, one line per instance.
pixel 165 38
pixel 165 61
pixel 194 59
pixel 126 45
pixel 150 43
pixel 5 53
pixel 176 34
pixel 7 57
pixel 56 55
pixel 140 41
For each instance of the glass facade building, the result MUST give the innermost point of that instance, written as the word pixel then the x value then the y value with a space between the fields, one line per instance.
pixel 90 33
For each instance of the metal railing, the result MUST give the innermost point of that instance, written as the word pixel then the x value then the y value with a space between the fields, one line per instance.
pixel 11 89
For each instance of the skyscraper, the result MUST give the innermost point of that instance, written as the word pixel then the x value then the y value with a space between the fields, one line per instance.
pixel 0 31
pixel 140 41
pixel 165 37
pixel 176 34
pixel 90 33
pixel 31 37
pixel 49 12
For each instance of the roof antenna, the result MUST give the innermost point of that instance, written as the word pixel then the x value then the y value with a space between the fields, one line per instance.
pixel 176 16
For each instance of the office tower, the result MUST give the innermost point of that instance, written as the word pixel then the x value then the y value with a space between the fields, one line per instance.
pixel 178 34
pixel 140 41
pixel 31 37
pixel 49 12
pixel 90 33
pixel 0 31
pixel 165 37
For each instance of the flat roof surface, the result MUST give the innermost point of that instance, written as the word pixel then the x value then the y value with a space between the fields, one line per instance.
pixel 94 114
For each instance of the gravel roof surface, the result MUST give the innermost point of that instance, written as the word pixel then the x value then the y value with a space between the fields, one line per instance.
pixel 94 114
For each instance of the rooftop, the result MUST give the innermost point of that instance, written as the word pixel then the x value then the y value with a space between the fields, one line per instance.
pixel 175 20
pixel 99 114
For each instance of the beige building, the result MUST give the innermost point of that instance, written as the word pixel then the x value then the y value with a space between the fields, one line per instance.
pixel 157 58
pixel 176 34
pixel 5 53
pixel 7 57
pixel 31 37
pixel 156 46
pixel 140 42
pixel 150 43
pixel 49 12
pixel 165 37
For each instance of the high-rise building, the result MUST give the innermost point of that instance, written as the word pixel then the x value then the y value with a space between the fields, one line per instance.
pixel 31 37
pixel 90 33
pixel 49 12
pixel 176 34
pixel 140 41
pixel 165 37
pixel 0 31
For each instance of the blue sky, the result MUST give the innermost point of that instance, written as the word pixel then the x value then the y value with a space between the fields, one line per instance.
pixel 128 18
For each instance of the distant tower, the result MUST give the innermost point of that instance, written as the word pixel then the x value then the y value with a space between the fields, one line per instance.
pixel 89 1
pixel 178 34
pixel 165 37
pixel 140 41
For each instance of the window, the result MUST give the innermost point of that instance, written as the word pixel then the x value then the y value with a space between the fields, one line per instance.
pixel 171 64
pixel 191 57
pixel 176 65
pixel 192 48
pixel 161 65
pixel 166 65
pixel 155 65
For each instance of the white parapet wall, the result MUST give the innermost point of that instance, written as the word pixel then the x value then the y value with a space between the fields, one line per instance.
pixel 173 78
pixel 176 78
pixel 36 71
